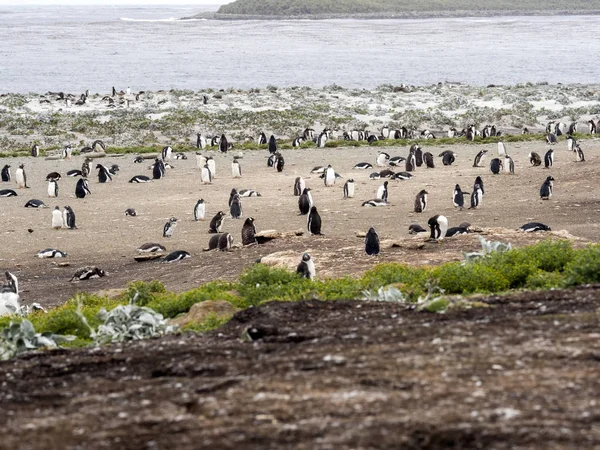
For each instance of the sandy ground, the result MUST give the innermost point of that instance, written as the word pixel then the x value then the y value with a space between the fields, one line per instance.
pixel 108 239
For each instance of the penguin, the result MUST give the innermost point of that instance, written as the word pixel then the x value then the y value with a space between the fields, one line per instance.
pixel 85 168
pixel 249 193
pixel 421 201
pixel 329 176
pixel 158 169
pixel 495 166
pixel 272 144
pixel 200 161
pixel 535 159
pixel 7 193
pixel 35 150
pixel 69 218
pixel 131 212
pixel 372 242
pixel 308 134
pixel 375 202
pixel 579 156
pixel 140 179
pixel 305 202
pixel 374 176
pixel 411 162
pixel 314 221
pixel 52 188
pixel 592 127
pixel 546 189
pixel 215 141
pixel 57 218
pixel 151 247
pixel 199 210
pixel 299 186
pixel 476 196
pixel 53 176
pixel 21 177
pixel 479 157
pixel 458 198
pixel 6 174
pixel 176 256
pixel 200 141
pixel 382 192
pixel 363 165
pixel 572 128
pixel 349 188
pixel 428 159
pixel 231 195
pixel 532 227
pixel 205 175
pixel 51 253
pixel 212 166
pixel 416 229
pixel 35 204
pixel 382 159
pixel 551 139
pixel 74 173
pixel 217 223
pixel 457 231
pixel 88 273
pixel 9 295
pixel 236 168
pixel 549 158
pixel 249 232
pixel 223 144
pixel 235 208
pixel 297 142
pixel 396 160
pixel 67 151
pixel 272 160
pixel 114 169
pixel 402 176
pixel 318 169
pixel 225 242
pixel 103 174
pixel 306 267
pixel 439 227
pixel 418 154
pixel 322 140
pixel 169 227
pixel 371 139
pixel 509 165
pixel 262 138
pixel 166 152
pixel 501 148
pixel 571 143
pixel 448 158
pixel 386 173
pixel 82 188
pixel 280 163
pixel 479 181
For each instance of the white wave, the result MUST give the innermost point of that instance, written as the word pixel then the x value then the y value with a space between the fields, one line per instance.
pixel 170 19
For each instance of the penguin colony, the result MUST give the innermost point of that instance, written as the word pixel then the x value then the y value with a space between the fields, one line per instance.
pixel 399 169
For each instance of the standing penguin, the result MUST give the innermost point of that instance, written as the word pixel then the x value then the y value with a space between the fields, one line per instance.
pixel 103 174
pixel 479 181
pixel 169 227
pixel 205 175
pixel 69 218
pixel 235 209
pixel 199 210
pixel 411 162
pixel 57 219
pixel 421 201
pixel 546 189
pixel 382 192
pixel 571 143
pixel 299 186
pixel 458 198
pixel 212 166
pixel 306 268
pixel 495 166
pixel 262 138
pixel 418 154
pixel 476 196
pixel 35 150
pixel 349 188
pixel 535 159
pixel 21 176
pixel 479 157
pixel 232 194
pixel 280 163
pixel 249 232
pixel 314 221
pixel 217 223
pixel 501 148
pixel 509 165
pixel 428 158
pixel 236 168
pixel 549 158
pixel 322 140
pixel 158 170
pixel 200 141
pixel 329 176
pixel 272 144
pixel 223 145
pixel 305 202
pixel 579 156
pixel 372 242
pixel 82 188
pixel 383 159
pixel 85 168
pixel 6 173
pixel 53 188
pixel 166 152
pixel 439 227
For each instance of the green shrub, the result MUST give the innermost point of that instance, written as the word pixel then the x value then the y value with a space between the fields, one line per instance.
pixel 211 322
pixel 514 265
pixel 261 283
pixel 584 267
pixel 456 278
pixel 550 256
pixel 339 289
pixel 145 291
pixel 544 280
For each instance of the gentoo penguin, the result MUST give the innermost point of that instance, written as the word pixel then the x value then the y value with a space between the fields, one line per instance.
pixel 231 195
pixel 69 218
pixel 280 163
pixel 103 174
pixel 114 169
pixel 140 179
pixel 272 144
pixel 205 175
pixel 509 165
pixel 363 165
pixel 572 128
pixel 535 159
pixel 318 169
pixel 57 218
pixel 249 232
pixel 551 139
pixel 386 173
pixel 421 201
pixel 428 159
pixel 371 139
pixel 478 158
pixel 375 202
pixel 35 150
pixel 86 168
pixel 411 162
pixel 439 227
pixel 224 144
pixel 501 148
pixel 534 226
pixel 479 181
pixel 458 198
pixel 579 156
pixel 592 128
pixel 571 143
pixel 200 161
pixel 235 208
pixel 33 203
pixel 308 134
pixel 131 212
pixel 495 166
pixel 396 160
pixel 262 138
pixel 176 256
pixel 298 142
pixel 322 140
pixel 82 188
pixel 215 141
pixel 349 188
pixel 212 166
pixel 382 191
pixel 166 152
pixel 549 158
pixel 415 228
pixel 374 176
pixel 6 173
pixel 74 173
pixel 200 141
pixel 476 196
pixel 299 186
pixel 272 160
pixel 151 247
pixel 418 154
pixel 199 210
pixel 225 242
pixel 51 253
pixel 306 268
pixel 53 188
pixel 9 295
pixel 457 231
pixel 448 158
pixel 314 221
pixel 402 176
pixel 158 169
pixel 372 242
pixel 305 202
pixel 7 193
pixel 21 177
pixel 217 223
pixel 169 227
pixel 67 151
pixel 236 168
pixel 546 189
pixel 87 273
pixel 249 193
pixel 329 176
pixel 382 159
pixel 53 176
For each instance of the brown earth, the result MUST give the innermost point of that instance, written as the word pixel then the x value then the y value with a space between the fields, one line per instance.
pixel 108 239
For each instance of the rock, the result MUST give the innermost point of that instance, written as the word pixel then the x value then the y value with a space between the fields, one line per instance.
pixel 200 311
pixel 148 256
pixel 287 259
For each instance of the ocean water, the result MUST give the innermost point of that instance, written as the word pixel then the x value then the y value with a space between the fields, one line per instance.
pixel 67 48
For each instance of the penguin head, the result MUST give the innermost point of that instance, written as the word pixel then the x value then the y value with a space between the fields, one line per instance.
pixel 305 257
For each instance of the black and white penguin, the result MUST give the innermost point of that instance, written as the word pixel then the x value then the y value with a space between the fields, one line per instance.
pixel 349 188
pixel 249 232
pixel 235 208
pixel 140 179
pixel 169 227
pixel 299 186
pixel 57 219
pixel 158 169
pixel 236 168
pixel 306 268
pixel 34 203
pixel 386 173
pixel 495 166
pixel 457 231
pixel 51 253
pixel 200 141
pixel 318 169
pixel 396 160
pixel 53 188
pixel 232 194
pixel 415 228
pixel 272 144
pixel 205 175
pixel 176 256
pixel 67 152
pixel 592 128
pixel 418 154
pixel 382 160
pixel 549 159
pixel 428 160
pixel 21 177
pixel 479 157
pixel 421 201
pixel 314 221
pixel 213 242
pixel 501 148
pixel 138 160
pixel 322 140
pixel 382 191
pixel 74 173
pixel 151 247
pixel 82 188
pixel 571 143
pixel 98 143
pixel 439 227
pixel 535 159
pixel 69 218
pixel 374 176
pixel 476 196
pixel 199 210
pixel 448 158
pixel 329 176
pixel 509 165
pixel 6 174
pixel 9 295
pixel 371 139
pixel 114 169
pixel 272 160
pixel 225 242
pixel 223 144
pixel 551 139
pixel 104 175
pixel 214 142
pixel 280 162
pixel 579 156
pixel 249 193
pixel 53 176
pixel 375 202
pixel 546 189
pixel 7 193
pixel 262 138
pixel 458 197
pixel 532 227
pixel 212 166
pixel 402 176
pixel 411 162
pixel 363 165
pixel 86 168
pixel 297 142
pixel 88 273
pixel 572 128
pixel 35 150
pixel 166 152
pixel 131 212
pixel 305 202
pixel 216 222
pixel 479 181
pixel 372 242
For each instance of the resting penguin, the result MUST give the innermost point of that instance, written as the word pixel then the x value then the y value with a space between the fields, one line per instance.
pixel 9 295
pixel 495 166
pixel 458 198
pixel 479 157
pixel 69 218
pixel 549 159
pixel 74 173
pixel 199 210
pixel 349 188
pixel 82 189
pixel 382 191
pixel 314 221
pixel 6 174
pixel 140 179
pixel 53 188
pixel 439 227
pixel 329 176
pixel 7 193
pixel 416 229
pixel 249 232
pixel 236 168
pixel 33 203
pixel 169 227
pixel 57 219
pixel 375 202
pixel 216 222
pixel 421 201
pixel 476 196
pixel 428 159
pixel 382 160
pixel 51 253
pixel 305 202
pixel 363 165
pixel 177 255
pixel 225 242
pixel 546 189
pixel 372 242
pixel 87 273
pixel 103 174
pixel 306 268
pixel 448 158
pixel 235 209
pixel 298 142
pixel 249 193
pixel 534 226
pixel 402 176
pixel 534 159
pixel 114 169
pixel 151 247
pixel 21 177
pixel 130 212
pixel 299 186
pixel 272 144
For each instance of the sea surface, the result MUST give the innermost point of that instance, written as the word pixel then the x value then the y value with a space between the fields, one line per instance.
pixel 73 48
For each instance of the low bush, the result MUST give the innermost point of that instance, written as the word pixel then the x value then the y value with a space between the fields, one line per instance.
pixel 457 278
pixel 584 267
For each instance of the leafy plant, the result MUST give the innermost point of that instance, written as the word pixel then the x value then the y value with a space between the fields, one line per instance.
pixel 21 337
pixel 487 247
